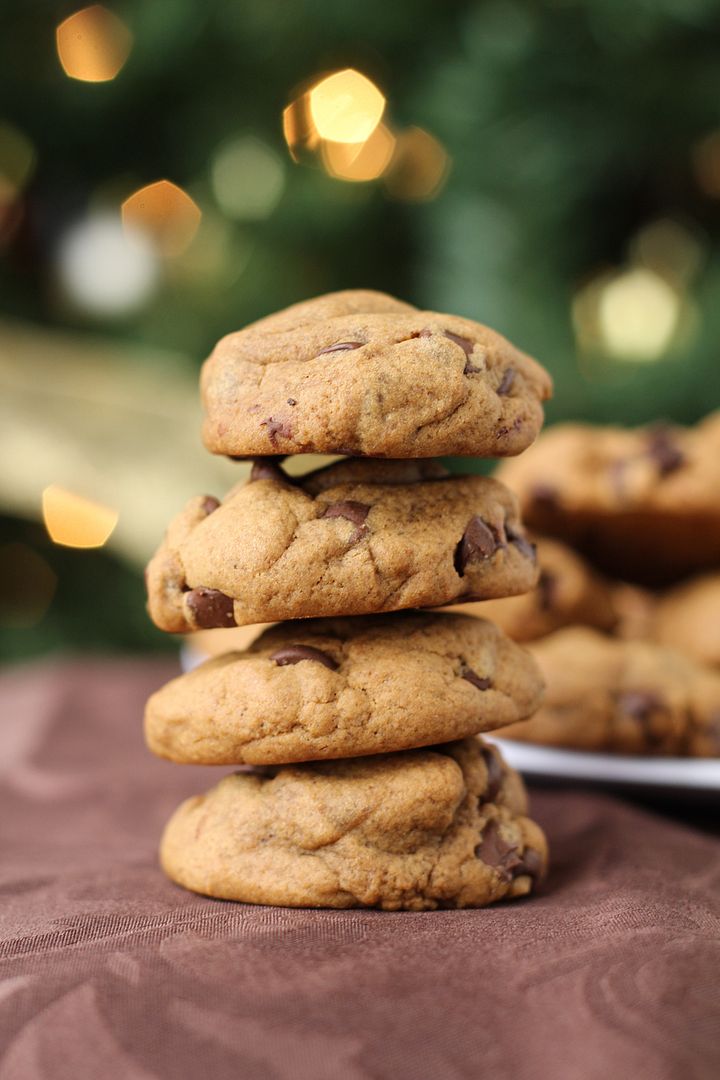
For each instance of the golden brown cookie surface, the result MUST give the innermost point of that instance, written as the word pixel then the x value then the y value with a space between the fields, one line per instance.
pixel 424 829
pixel 354 538
pixel 330 688
pixel 361 373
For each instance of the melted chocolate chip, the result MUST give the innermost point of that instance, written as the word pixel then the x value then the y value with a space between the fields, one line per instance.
pixel 209 504
pixel 531 864
pixel 466 345
pixel 506 381
pixel 353 511
pixel 544 495
pixel 521 543
pixel 479 541
pixel 664 452
pixel 493 764
pixel 470 369
pixel 210 608
pixel 275 428
pixel 639 703
pixel 341 346
pixel 480 681
pixel 349 509
pixel 547 590
pixel 293 654
pixel 496 852
pixel 266 468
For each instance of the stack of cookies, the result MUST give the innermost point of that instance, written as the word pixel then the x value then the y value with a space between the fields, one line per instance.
pixel 625 621
pixel 362 780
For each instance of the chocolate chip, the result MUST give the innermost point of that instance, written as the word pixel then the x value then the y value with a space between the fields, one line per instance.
pixel 506 381
pixel 353 511
pixel 291 401
pixel 266 468
pixel 470 369
pixel 480 681
pixel 479 541
pixel 209 504
pixel 341 346
pixel 293 654
pixel 210 608
pixel 639 703
pixel 495 772
pixel 545 495
pixel 663 450
pixel 496 852
pixel 547 590
pixel 521 543
pixel 349 509
pixel 275 428
pixel 531 865
pixel 466 345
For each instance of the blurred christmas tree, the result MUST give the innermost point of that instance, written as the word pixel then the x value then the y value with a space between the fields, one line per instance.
pixel 551 168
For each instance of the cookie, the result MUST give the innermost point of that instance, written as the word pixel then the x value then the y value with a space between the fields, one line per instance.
pixel 322 688
pixel 424 829
pixel 362 373
pixel 686 618
pixel 643 504
pixel 629 697
pixel 569 592
pixel 353 538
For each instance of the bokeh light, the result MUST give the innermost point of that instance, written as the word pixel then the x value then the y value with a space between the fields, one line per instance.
pixel 346 107
pixel 298 127
pixel 107 270
pixel 27 586
pixel 419 168
pixel 360 162
pixel 638 315
pixel 93 44
pixel 633 315
pixel 74 521
pixel 17 161
pixel 248 178
pixel 166 213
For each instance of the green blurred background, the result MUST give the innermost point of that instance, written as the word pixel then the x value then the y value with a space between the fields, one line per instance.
pixel 578 212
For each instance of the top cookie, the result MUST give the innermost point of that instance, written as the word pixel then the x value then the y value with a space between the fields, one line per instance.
pixel 643 504
pixel 361 373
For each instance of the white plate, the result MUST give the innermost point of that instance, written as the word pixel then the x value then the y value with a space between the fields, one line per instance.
pixel 681 776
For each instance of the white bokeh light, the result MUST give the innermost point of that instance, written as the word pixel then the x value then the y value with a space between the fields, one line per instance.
pixel 106 269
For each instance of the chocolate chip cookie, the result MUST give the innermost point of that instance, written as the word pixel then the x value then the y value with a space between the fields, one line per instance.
pixel 568 592
pixel 353 538
pixel 332 688
pixel 686 618
pixel 629 697
pixel 424 829
pixel 362 373
pixel 642 504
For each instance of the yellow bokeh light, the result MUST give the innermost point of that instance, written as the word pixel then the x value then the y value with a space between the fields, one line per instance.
pixel 74 521
pixel 166 213
pixel 346 107
pixel 419 167
pixel 93 44
pixel 634 315
pixel 363 161
pixel 706 163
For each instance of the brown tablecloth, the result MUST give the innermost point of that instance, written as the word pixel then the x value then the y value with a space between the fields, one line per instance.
pixel 109 971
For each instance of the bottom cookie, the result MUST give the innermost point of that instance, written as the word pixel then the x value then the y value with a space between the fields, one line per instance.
pixel 443 827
